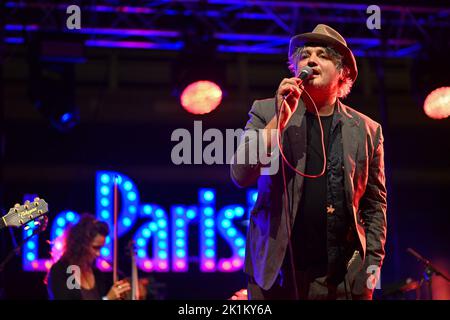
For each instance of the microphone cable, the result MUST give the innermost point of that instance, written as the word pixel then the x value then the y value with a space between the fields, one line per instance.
pixel 285 161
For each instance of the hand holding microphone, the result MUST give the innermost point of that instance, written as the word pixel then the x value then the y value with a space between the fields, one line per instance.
pixel 289 93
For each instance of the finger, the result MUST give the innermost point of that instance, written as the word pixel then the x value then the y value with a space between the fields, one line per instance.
pixel 286 83
pixel 298 81
pixel 125 290
pixel 289 88
pixel 294 81
pixel 120 283
pixel 125 287
pixel 296 91
pixel 292 91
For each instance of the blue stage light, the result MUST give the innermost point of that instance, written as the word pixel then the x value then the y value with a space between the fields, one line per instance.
pixel 179 223
pixel 180 253
pixel 190 214
pixel 126 222
pixel 127 185
pixel 209 223
pixel 146 233
pixel 231 232
pixel 105 178
pixel 61 222
pixel 70 216
pixel 147 209
pixel 104 190
pixel 131 196
pixel 226 223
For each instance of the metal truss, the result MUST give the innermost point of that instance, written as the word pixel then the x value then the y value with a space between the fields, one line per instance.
pixel 260 27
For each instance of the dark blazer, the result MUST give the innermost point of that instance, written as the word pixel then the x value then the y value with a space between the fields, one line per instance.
pixel 57 283
pixel 364 184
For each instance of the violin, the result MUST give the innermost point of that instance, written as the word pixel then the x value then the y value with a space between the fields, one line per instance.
pixel 138 287
pixel 138 291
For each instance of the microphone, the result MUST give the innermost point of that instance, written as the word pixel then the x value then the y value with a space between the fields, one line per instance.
pixel 429 266
pixel 305 73
pixel 418 256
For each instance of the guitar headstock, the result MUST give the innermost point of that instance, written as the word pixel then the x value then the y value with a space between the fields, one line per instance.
pixel 20 215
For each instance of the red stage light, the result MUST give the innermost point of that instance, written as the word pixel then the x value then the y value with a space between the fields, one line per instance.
pixel 437 103
pixel 201 97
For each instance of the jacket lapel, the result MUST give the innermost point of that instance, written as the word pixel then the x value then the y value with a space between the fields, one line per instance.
pixel 296 137
pixel 350 143
pixel 349 140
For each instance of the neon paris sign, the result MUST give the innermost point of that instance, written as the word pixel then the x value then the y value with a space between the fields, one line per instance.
pixel 166 232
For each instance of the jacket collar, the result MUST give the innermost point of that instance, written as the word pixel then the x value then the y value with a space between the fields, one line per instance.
pixel 346 117
pixel 341 113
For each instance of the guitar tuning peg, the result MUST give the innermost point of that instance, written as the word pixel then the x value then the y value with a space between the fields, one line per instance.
pixel 26 228
pixel 37 222
pixel 36 199
pixel 17 205
pixel 27 202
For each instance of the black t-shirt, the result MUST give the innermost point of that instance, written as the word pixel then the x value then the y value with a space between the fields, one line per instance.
pixel 310 227
pixel 57 284
pixel 90 294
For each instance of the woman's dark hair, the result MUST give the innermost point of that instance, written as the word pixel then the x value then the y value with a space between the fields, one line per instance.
pixel 79 238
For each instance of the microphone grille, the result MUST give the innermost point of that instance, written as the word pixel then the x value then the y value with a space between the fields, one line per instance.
pixel 305 72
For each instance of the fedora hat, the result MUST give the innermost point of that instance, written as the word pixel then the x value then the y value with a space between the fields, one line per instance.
pixel 327 35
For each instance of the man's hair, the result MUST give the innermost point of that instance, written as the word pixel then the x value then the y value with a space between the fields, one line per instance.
pixel 345 83
pixel 79 239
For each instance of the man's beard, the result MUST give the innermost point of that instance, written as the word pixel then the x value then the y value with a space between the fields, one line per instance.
pixel 318 88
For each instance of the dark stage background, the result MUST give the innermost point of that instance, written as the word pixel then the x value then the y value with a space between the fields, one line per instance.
pixel 128 109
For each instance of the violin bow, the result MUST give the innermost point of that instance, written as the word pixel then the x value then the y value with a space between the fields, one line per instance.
pixel 115 231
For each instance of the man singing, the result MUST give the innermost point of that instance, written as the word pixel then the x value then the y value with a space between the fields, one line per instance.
pixel 317 232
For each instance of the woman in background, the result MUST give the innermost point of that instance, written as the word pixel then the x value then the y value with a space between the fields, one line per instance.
pixel 74 276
